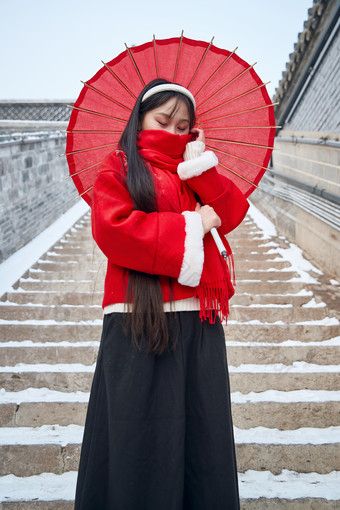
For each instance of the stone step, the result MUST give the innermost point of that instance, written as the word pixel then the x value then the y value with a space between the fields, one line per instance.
pixel 54 298
pixel 285 313
pixel 78 380
pixel 57 313
pixel 88 287
pixel 276 487
pixel 267 287
pixel 39 331
pixel 277 333
pixel 93 276
pixel 263 265
pixel 252 354
pixel 28 460
pixel 57 298
pixel 54 332
pixel 34 459
pixel 281 415
pixel 94 312
pixel 237 355
pixel 74 353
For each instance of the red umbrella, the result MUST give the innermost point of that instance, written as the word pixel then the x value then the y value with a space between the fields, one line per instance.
pixel 233 108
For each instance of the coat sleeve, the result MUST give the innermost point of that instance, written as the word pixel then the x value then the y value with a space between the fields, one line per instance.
pixel 153 243
pixel 214 189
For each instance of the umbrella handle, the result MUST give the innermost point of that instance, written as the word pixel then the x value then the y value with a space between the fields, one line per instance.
pixel 218 242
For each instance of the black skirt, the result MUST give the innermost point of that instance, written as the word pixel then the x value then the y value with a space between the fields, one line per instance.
pixel 158 433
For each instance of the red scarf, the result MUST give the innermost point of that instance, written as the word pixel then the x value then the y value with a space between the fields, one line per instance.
pixel 165 151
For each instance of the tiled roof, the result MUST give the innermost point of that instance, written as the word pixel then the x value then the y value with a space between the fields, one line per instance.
pixel 35 110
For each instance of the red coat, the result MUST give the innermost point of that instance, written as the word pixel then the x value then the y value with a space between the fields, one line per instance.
pixel 155 242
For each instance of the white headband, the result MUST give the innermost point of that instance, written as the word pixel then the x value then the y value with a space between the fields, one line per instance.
pixel 169 86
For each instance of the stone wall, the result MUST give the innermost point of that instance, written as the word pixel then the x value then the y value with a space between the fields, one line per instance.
pixel 33 189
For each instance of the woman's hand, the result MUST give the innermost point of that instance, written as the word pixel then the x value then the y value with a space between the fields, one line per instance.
pixel 208 216
pixel 200 134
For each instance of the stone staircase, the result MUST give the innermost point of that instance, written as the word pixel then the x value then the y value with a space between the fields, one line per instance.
pixel 283 350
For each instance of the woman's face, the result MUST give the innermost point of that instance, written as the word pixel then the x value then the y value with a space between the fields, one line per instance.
pixel 168 117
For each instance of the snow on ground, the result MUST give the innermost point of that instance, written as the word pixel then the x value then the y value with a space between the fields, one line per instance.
pixel 285 396
pixel 253 484
pixel 47 395
pixel 289 485
pixel 265 225
pixel 16 265
pixel 43 487
pixel 287 343
pixel 264 435
pixel 298 367
pixel 45 367
pixel 73 434
pixel 293 254
pixel 41 395
pixel 46 434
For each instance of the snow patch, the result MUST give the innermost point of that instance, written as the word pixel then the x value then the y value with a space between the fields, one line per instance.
pixel 286 396
pixel 289 485
pixel 313 304
pixel 46 434
pixel 264 224
pixel 16 265
pixel 41 395
pixel 298 367
pixel 44 367
pixel 264 435
pixel 43 487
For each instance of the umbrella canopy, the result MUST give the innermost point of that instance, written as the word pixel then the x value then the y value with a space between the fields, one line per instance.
pixel 233 108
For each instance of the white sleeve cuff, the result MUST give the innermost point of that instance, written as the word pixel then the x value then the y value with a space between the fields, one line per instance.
pixel 193 259
pixel 193 150
pixel 196 167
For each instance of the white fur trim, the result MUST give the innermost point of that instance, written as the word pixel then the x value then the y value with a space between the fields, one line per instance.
pixel 196 167
pixel 193 150
pixel 193 259
pixel 170 86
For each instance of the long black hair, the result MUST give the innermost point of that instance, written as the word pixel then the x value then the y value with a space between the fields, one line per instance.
pixel 147 322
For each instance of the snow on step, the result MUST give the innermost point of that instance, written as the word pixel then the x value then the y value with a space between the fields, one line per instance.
pixel 253 484
pixel 289 485
pixel 56 434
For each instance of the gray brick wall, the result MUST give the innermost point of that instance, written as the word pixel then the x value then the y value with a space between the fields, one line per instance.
pixel 33 190
pixel 319 108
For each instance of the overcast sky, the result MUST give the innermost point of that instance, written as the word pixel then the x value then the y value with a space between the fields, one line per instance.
pixel 48 46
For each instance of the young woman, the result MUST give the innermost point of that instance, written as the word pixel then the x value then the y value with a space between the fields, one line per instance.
pixel 158 432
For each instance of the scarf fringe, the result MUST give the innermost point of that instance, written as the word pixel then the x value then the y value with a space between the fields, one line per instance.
pixel 214 301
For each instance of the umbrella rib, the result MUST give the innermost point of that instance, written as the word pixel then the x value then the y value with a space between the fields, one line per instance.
pixel 239 113
pixel 105 95
pixel 178 53
pixel 95 113
pixel 119 80
pixel 236 157
pixel 238 175
pixel 155 52
pixel 240 127
pixel 239 143
pixel 83 170
pixel 135 65
pixel 219 67
pixel 227 84
pixel 87 149
pixel 84 192
pixel 98 131
pixel 234 98
pixel 200 63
